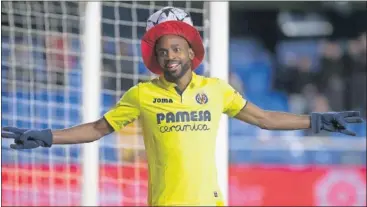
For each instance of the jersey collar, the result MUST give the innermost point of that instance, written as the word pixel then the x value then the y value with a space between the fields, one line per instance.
pixel 169 85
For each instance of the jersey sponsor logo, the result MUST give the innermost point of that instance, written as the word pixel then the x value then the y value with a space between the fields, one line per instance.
pixel 201 98
pixel 162 100
pixel 182 118
pixel 184 128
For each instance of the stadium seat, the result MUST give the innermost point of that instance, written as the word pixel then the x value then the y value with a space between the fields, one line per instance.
pixel 256 78
pixel 142 69
pixel 23 95
pixel 41 123
pixel 108 154
pixel 5 93
pixel 58 152
pixel 243 52
pixel 299 48
pixel 41 111
pixel 109 47
pixel 74 116
pixel 23 109
pixel 5 73
pixel 75 44
pixel 23 124
pixel 57 96
pixel 75 79
pixel 108 100
pixel 239 128
pixel 200 69
pixel 75 152
pixel 4 121
pixel 75 97
pixel 41 95
pixel 6 106
pixel 277 101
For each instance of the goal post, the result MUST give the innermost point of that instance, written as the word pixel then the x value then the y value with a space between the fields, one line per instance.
pixel 91 87
pixel 219 67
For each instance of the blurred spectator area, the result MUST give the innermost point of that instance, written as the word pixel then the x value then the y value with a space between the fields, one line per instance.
pixel 296 75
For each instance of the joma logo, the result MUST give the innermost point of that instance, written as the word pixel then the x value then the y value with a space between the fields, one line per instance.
pixel 162 100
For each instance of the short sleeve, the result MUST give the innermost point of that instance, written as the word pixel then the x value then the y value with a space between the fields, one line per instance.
pixel 233 101
pixel 125 111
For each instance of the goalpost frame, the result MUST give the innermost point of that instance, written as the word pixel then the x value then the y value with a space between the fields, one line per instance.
pixel 91 101
pixel 218 67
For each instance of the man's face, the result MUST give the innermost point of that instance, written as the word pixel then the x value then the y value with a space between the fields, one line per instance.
pixel 174 55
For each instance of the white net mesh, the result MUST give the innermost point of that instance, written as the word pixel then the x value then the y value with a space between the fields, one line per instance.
pixel 41 88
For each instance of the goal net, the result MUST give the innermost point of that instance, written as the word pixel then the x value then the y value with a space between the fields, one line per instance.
pixel 42 88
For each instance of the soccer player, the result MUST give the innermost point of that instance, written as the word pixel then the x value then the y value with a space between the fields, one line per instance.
pixel 179 112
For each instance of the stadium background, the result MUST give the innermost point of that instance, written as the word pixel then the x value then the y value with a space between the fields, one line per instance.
pixel 299 68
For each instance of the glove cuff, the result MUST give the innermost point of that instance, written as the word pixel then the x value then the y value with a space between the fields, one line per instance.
pixel 316 123
pixel 47 137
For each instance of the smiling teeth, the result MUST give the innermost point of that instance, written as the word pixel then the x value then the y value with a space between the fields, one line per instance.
pixel 172 65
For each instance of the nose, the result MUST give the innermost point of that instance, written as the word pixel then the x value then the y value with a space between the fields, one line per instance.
pixel 171 55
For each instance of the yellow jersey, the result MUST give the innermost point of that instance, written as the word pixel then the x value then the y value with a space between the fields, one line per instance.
pixel 179 136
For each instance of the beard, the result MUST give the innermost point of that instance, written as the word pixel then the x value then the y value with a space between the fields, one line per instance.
pixel 172 76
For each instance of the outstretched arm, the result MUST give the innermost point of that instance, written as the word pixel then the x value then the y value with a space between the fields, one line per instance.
pixel 31 138
pixel 273 120
pixel 236 106
pixel 83 133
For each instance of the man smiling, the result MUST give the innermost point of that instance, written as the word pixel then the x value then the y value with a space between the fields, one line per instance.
pixel 179 112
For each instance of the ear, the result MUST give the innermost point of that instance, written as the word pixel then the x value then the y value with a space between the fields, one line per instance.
pixel 191 54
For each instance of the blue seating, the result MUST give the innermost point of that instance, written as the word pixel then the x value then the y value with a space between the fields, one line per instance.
pixel 6 106
pixel 256 77
pixel 142 70
pixel 42 124
pixel 108 100
pixel 23 109
pixel 23 124
pixel 299 48
pixel 75 80
pixel 200 69
pixel 243 51
pixel 269 100
pixel 239 128
pixel 109 47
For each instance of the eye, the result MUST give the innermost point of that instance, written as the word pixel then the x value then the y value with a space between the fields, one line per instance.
pixel 162 53
pixel 177 49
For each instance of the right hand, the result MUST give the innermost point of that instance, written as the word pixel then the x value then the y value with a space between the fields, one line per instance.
pixel 27 138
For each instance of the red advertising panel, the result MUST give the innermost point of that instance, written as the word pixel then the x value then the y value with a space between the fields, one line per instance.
pixel 248 185
pixel 286 186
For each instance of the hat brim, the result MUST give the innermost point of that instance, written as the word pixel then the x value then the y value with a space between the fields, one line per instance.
pixel 179 28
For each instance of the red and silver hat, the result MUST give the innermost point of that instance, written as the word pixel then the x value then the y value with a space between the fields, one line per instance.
pixel 170 21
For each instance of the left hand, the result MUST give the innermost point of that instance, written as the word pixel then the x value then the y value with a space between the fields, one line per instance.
pixel 335 121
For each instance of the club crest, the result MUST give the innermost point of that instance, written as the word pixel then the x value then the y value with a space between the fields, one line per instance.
pixel 201 98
